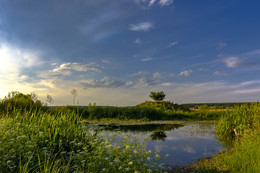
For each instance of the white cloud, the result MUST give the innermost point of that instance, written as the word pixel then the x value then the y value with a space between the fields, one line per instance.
pixel 140 73
pixel 173 43
pixel 234 62
pixel 145 4
pixel 248 91
pixel 151 2
pixel 185 73
pixel 255 52
pixel 105 82
pixel 218 73
pixel 146 59
pixel 203 69
pixel 54 64
pixel 165 2
pixel 168 84
pixel 143 26
pixel 13 60
pixel 157 75
pixel 138 41
pixel 68 68
pixel 145 82
pixel 105 61
pixel 221 45
pixel 251 82
pixel 171 75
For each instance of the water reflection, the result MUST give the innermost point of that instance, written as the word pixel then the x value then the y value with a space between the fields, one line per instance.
pixel 158 136
pixel 158 130
pixel 183 143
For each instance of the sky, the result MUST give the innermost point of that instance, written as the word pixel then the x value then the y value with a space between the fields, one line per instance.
pixel 116 52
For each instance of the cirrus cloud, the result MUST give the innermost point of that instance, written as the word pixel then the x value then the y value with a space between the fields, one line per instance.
pixel 142 26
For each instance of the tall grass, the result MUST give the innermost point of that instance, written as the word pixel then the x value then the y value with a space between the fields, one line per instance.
pixel 43 142
pixel 244 153
pixel 243 118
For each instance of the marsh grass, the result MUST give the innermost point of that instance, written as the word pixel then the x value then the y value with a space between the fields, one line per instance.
pixel 43 142
pixel 244 152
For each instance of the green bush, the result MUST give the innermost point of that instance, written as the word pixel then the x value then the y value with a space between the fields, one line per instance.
pixel 21 102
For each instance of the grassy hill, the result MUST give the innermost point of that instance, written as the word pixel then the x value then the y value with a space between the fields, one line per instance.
pixel 163 105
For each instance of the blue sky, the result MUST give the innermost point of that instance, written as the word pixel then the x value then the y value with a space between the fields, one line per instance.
pixel 115 52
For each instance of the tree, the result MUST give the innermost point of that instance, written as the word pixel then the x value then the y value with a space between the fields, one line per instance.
pixel 157 96
pixel 49 99
pixel 74 93
pixel 34 96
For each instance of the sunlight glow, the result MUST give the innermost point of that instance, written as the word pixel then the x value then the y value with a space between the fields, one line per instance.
pixel 7 61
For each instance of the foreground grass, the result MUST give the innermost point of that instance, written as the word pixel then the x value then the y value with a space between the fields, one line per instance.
pixel 40 142
pixel 244 153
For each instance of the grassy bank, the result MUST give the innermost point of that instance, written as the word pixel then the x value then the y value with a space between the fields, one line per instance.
pixel 136 113
pixel 244 152
pixel 42 142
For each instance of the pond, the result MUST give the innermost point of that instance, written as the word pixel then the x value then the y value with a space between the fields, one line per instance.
pixel 184 143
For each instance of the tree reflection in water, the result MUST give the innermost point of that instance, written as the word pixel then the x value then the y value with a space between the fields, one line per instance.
pixel 157 130
pixel 158 135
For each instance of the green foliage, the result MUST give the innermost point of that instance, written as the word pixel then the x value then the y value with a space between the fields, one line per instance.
pixel 164 106
pixel 243 118
pixel 157 96
pixel 149 111
pixel 244 156
pixel 203 107
pixel 98 112
pixel 244 153
pixel 19 101
pixel 40 142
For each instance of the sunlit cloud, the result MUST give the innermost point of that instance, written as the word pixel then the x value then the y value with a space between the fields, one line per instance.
pixel 186 73
pixel 13 60
pixel 68 68
pixel 13 63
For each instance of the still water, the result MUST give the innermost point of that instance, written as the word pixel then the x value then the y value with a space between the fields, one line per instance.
pixel 184 143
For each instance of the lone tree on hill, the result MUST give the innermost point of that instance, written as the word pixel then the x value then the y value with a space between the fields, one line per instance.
pixel 157 96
